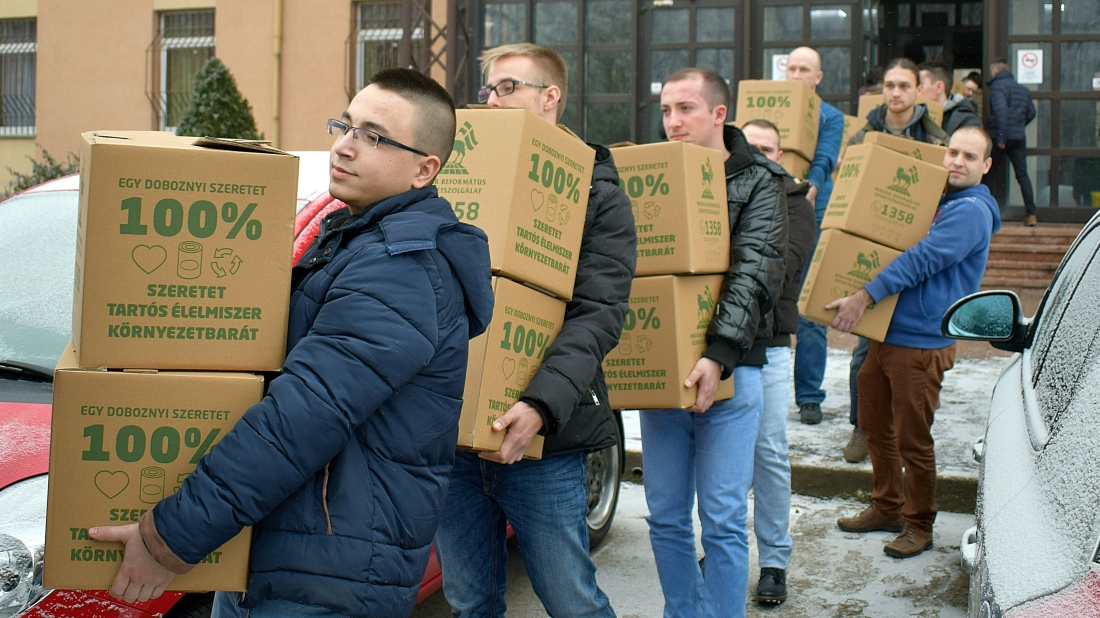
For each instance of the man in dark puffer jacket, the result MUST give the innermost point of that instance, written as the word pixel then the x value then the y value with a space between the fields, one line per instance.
pixel 546 500
pixel 686 452
pixel 343 467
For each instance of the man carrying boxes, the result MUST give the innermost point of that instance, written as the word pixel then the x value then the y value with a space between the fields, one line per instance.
pixel 545 500
pixel 707 449
pixel 900 381
pixel 342 468
pixel 771 472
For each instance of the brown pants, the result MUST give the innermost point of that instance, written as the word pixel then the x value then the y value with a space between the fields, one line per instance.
pixel 899 391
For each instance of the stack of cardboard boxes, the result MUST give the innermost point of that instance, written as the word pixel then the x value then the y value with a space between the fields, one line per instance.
pixel 678 192
pixel 793 107
pixel 525 182
pixel 884 200
pixel 181 292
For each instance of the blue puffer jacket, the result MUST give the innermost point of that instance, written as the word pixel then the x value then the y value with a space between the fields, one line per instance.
pixel 1011 106
pixel 344 466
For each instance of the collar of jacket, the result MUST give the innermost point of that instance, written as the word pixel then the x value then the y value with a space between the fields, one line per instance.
pixel 741 153
pixel 604 167
pixel 414 231
pixel 952 101
pixel 877 117
pixel 1005 74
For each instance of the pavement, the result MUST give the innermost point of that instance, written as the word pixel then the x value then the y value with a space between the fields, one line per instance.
pixel 817 464
pixel 832 574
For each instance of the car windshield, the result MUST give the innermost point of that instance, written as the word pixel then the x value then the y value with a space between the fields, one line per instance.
pixel 37 256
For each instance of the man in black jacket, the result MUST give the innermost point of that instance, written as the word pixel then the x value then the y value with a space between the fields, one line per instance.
pixel 708 448
pixel 936 82
pixel 546 500
pixel 771 472
pixel 1011 109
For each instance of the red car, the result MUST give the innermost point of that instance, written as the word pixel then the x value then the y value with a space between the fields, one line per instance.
pixel 36 274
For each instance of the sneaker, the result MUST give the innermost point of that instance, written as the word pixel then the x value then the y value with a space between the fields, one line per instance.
pixel 870 520
pixel 810 413
pixel 772 589
pixel 1031 221
pixel 856 450
pixel 909 543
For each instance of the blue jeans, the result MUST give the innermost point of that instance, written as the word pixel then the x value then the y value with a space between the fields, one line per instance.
pixel 546 503
pixel 226 605
pixel 859 354
pixel 710 454
pixel 771 476
pixel 811 350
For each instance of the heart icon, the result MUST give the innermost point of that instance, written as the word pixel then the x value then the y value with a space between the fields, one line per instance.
pixel 147 258
pixel 537 198
pixel 509 366
pixel 111 484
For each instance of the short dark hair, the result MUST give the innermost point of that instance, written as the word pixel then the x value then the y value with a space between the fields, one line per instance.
pixel 764 124
pixel 715 89
pixel 980 131
pixel 940 73
pixel 874 76
pixel 904 63
pixel 973 76
pixel 434 125
pixel 1000 64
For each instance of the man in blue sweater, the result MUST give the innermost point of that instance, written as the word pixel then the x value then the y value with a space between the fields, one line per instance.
pixel 811 348
pixel 899 384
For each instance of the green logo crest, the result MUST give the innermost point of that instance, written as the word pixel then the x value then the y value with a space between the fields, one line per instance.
pixel 465 141
pixel 903 179
pixel 864 264
pixel 706 308
pixel 708 176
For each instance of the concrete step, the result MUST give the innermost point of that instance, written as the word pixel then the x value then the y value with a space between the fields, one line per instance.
pixel 1015 284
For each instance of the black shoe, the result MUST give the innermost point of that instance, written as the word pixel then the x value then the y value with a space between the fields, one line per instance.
pixel 772 589
pixel 810 413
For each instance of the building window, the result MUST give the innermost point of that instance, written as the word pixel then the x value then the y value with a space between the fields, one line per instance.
pixel 186 43
pixel 18 49
pixel 378 40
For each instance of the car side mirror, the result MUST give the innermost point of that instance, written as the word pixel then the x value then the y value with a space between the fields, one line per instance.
pixel 993 316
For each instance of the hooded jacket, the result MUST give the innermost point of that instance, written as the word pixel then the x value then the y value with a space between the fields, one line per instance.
pixel 569 388
pixel 802 233
pixel 1011 108
pixel 343 467
pixel 945 266
pixel 959 111
pixel 921 127
pixel 742 326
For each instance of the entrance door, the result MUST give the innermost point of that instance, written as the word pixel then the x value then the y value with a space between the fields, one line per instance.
pixel 833 28
pixel 683 33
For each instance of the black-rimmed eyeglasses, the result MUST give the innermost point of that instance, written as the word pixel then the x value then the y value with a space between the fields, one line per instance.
pixel 366 136
pixel 504 88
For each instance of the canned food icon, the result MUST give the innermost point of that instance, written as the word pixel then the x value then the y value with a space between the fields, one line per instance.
pixel 152 484
pixel 189 260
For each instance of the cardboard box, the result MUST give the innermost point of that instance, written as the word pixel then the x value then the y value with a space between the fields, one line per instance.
pixel 678 192
pixel 791 105
pixel 885 196
pixel 796 164
pixel 929 153
pixel 183 253
pixel 120 442
pixel 525 182
pixel 664 334
pixel 841 265
pixel 503 360
pixel 872 100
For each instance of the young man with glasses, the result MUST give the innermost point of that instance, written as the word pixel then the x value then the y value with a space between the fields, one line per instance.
pixel 343 466
pixel 545 500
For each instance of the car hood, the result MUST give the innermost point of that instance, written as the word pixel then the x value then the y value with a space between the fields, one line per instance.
pixel 24 440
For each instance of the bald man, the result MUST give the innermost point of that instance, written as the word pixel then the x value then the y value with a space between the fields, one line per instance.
pixel 804 64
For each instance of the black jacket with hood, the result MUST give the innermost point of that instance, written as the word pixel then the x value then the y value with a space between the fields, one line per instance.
pixel 802 232
pixel 569 389
pixel 959 111
pixel 921 127
pixel 742 325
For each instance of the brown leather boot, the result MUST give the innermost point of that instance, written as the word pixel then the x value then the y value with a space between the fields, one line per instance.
pixel 856 450
pixel 870 520
pixel 910 542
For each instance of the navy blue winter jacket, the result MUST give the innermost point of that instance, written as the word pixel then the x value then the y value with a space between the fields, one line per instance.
pixel 939 270
pixel 344 466
pixel 1011 106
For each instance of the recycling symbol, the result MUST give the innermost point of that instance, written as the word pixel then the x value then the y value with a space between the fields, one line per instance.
pixel 643 344
pixel 651 210
pixel 225 262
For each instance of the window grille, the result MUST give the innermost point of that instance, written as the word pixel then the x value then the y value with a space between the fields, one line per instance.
pixel 378 39
pixel 18 51
pixel 183 45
